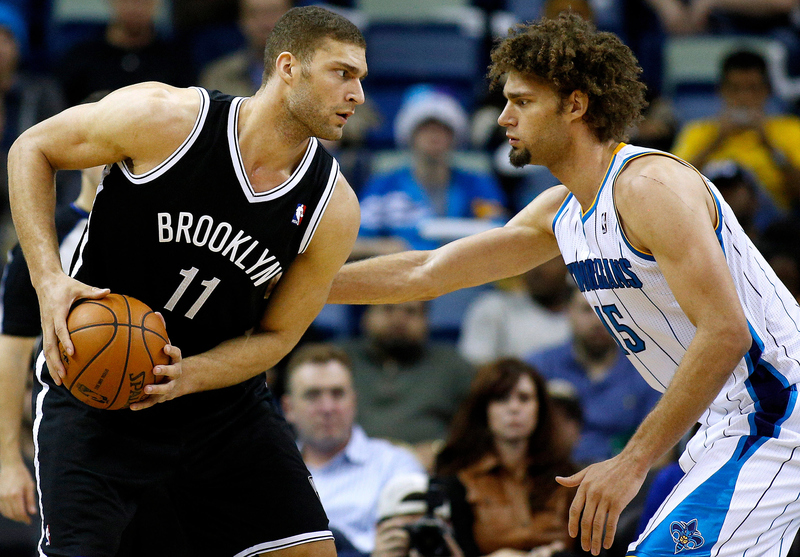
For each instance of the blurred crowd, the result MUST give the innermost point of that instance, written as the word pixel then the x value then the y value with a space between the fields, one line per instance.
pixel 439 427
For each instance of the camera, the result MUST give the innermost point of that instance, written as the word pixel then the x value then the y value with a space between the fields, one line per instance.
pixel 427 534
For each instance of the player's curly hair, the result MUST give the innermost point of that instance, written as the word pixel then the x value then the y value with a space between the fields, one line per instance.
pixel 570 54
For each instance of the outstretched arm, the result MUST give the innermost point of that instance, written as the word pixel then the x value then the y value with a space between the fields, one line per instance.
pixel 297 299
pixel 525 242
pixel 666 209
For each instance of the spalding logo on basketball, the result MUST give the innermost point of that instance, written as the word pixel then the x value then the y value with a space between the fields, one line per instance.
pixel 118 341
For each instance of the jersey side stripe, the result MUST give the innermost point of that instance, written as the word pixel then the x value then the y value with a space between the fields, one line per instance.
pixel 321 206
pixel 179 152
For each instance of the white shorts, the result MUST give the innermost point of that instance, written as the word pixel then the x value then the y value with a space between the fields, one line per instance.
pixel 741 492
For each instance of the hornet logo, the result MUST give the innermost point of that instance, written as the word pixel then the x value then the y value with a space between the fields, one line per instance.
pixel 686 535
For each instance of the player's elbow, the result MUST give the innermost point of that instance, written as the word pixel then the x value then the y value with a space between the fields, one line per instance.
pixel 738 339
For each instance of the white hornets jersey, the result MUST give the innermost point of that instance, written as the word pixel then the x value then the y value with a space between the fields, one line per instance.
pixel 632 298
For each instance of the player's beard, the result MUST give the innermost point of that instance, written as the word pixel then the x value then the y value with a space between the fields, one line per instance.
pixel 519 157
pixel 309 113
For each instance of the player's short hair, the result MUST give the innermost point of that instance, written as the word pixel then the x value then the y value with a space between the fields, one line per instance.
pixel 315 353
pixel 570 54
pixel 302 30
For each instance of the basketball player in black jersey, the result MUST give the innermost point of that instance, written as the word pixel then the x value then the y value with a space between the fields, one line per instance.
pixel 229 217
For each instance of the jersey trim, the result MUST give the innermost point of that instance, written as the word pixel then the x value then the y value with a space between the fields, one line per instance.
pixel 647 255
pixel 321 206
pixel 285 543
pixel 238 164
pixel 590 210
pixel 561 210
pixel 171 160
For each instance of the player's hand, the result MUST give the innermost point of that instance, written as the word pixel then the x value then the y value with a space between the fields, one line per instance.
pixel 168 389
pixel 56 297
pixel 604 489
pixel 17 492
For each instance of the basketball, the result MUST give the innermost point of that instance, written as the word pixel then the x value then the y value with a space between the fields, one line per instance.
pixel 118 340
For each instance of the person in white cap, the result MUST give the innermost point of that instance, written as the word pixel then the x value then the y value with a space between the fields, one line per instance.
pixel 401 505
pixel 432 125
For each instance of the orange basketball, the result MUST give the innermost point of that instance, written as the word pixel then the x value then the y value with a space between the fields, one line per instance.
pixel 118 340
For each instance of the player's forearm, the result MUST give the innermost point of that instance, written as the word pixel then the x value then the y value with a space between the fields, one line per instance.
pixel 236 360
pixel 32 195
pixel 13 373
pixel 706 366
pixel 387 279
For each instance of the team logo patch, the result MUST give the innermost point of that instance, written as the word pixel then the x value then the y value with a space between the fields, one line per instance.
pixel 298 214
pixel 686 535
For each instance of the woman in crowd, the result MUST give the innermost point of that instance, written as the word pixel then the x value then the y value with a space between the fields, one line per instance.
pixel 500 464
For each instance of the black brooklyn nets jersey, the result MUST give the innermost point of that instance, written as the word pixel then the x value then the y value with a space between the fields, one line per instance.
pixel 191 238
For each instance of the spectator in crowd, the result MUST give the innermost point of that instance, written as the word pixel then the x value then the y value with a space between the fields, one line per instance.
pixel 613 396
pixel 129 52
pixel 408 385
pixel 514 323
pixel 767 145
pixel 406 502
pixel 239 73
pixel 780 248
pixel 500 464
pixel 432 124
pixel 349 468
pixel 25 99
pixel 699 16
pixel 752 206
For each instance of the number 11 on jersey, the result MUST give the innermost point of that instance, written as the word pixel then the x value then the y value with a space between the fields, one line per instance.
pixel 188 276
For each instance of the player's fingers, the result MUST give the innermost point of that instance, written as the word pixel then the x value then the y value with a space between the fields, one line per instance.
pixel 611 525
pixel 173 352
pixel 52 355
pixel 172 373
pixel 587 520
pixel 30 500
pixel 597 526
pixel 573 480
pixel 575 511
pixel 144 403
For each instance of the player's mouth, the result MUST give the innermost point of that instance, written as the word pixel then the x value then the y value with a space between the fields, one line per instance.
pixel 343 116
pixel 513 141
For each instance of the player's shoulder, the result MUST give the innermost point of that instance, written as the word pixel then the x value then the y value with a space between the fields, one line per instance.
pixel 154 101
pixel 655 180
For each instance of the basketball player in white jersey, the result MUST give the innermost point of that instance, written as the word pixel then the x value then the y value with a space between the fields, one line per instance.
pixel 671 274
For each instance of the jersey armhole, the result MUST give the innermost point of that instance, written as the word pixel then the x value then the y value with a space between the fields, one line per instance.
pixel 327 194
pixel 173 158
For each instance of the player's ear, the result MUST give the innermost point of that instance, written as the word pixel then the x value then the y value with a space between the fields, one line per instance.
pixel 577 103
pixel 287 66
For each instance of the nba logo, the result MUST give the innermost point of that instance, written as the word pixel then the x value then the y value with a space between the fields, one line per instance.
pixel 298 214
pixel 47 534
pixel 604 223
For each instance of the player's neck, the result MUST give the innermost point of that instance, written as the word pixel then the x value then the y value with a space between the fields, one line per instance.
pixel 583 168
pixel 270 152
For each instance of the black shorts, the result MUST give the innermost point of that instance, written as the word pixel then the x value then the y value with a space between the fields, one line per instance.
pixel 235 479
